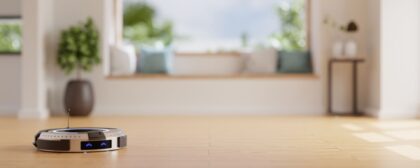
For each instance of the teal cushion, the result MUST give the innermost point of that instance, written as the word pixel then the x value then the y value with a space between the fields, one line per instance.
pixel 294 62
pixel 154 60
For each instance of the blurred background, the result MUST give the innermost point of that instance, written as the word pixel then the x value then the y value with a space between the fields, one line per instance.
pixel 189 57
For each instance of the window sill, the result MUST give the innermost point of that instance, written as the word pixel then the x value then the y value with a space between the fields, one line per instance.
pixel 199 77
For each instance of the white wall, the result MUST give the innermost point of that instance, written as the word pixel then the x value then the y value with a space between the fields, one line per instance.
pixel 372 92
pixel 10 84
pixel 9 68
pixel 36 20
pixel 343 11
pixel 208 65
pixel 171 96
pixel 209 97
pixel 400 58
pixel 389 80
pixel 160 96
pixel 10 7
pixel 394 89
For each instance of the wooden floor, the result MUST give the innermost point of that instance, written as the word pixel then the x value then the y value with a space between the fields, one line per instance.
pixel 231 142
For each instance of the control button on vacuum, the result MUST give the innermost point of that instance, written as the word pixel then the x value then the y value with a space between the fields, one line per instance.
pixel 104 144
pixel 88 145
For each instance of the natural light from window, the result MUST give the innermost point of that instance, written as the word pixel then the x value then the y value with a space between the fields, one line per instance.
pixel 10 35
pixel 218 25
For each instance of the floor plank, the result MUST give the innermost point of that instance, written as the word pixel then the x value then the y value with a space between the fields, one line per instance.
pixel 225 142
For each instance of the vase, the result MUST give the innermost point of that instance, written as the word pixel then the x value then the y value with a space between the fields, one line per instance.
pixel 337 49
pixel 351 49
pixel 79 98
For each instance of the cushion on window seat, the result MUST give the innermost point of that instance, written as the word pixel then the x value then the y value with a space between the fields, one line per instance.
pixel 155 60
pixel 294 62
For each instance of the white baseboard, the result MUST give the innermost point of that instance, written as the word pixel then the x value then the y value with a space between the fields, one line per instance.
pixel 373 112
pixel 124 111
pixel 391 114
pixel 8 111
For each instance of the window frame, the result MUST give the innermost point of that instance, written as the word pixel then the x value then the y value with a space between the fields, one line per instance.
pixel 308 23
pixel 11 17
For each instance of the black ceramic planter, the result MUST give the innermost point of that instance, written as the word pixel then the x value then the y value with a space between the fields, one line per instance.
pixel 79 97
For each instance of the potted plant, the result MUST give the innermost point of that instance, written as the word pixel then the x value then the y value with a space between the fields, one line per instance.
pixel 78 51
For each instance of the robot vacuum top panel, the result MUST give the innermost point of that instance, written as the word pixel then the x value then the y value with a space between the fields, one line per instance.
pixel 80 139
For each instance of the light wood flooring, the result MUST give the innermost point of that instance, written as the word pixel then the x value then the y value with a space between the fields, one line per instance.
pixel 231 142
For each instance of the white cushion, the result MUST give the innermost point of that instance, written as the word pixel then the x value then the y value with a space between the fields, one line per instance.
pixel 123 60
pixel 261 61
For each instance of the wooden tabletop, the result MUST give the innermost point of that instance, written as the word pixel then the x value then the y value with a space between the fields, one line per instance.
pixel 224 142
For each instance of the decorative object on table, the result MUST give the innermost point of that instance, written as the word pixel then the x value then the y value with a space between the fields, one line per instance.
pixel 294 62
pixel 350 49
pixel 78 50
pixel 123 60
pixel 343 48
pixel 154 60
pixel 338 49
pixel 351 45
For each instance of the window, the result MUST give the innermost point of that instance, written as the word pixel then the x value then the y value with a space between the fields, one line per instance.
pixel 10 35
pixel 234 37
pixel 218 25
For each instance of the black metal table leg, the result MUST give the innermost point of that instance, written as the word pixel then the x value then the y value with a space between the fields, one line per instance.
pixel 354 62
pixel 330 63
pixel 355 89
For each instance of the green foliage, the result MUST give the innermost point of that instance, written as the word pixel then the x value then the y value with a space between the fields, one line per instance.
pixel 244 40
pixel 10 37
pixel 292 36
pixel 138 13
pixel 140 26
pixel 78 48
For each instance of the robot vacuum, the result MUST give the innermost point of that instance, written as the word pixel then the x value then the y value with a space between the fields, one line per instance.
pixel 80 139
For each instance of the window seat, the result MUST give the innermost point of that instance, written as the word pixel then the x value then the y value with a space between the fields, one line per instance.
pixel 212 66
